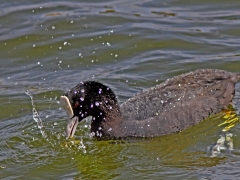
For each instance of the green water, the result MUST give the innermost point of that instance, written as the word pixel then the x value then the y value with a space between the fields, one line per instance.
pixel 48 47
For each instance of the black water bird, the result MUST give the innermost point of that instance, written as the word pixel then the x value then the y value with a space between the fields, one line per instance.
pixel 169 107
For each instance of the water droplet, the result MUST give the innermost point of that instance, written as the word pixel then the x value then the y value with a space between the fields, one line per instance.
pixel 116 55
pixel 97 103
pixel 92 134
pixel 162 101
pixel 108 44
pixel 65 43
pixel 55 123
pixel 109 129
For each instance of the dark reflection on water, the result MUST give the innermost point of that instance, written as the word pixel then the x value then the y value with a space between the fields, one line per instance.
pixel 47 47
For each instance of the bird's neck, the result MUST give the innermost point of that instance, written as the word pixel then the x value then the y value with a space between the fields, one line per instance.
pixel 106 117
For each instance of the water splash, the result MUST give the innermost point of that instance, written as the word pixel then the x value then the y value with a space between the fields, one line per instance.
pixel 36 116
pixel 67 143
pixel 224 142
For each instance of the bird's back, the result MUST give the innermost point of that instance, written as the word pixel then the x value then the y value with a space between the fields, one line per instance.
pixel 178 103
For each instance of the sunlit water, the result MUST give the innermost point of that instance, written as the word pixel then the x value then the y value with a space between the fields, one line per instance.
pixel 48 47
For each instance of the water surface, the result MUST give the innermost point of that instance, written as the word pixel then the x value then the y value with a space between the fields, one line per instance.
pixel 48 47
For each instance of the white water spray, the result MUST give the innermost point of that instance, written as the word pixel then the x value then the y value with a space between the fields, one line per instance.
pixel 36 116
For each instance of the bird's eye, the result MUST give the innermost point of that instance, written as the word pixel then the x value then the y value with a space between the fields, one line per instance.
pixel 76 104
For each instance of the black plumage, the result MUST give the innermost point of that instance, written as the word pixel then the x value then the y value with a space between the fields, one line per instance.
pixel 169 107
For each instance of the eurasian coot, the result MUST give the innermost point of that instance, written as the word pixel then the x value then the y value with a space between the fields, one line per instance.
pixel 169 107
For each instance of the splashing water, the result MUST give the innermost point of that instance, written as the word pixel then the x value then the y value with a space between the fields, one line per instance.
pixel 224 142
pixel 36 116
pixel 71 143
